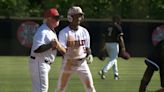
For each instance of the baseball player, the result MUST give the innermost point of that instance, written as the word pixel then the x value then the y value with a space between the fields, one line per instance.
pixel 113 37
pixel 43 51
pixel 76 40
pixel 154 62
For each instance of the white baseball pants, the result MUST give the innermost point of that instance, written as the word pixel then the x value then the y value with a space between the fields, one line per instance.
pixel 81 69
pixel 112 50
pixel 39 74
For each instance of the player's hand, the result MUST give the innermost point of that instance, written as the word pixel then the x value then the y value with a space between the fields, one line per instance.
pixel 54 43
pixel 89 59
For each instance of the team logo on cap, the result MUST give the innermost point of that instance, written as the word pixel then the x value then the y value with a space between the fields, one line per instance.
pixel 26 32
pixel 158 35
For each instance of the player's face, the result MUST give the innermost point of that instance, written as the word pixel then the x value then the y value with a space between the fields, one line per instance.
pixel 77 19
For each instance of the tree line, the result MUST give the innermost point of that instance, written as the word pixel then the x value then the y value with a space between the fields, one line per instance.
pixel 128 9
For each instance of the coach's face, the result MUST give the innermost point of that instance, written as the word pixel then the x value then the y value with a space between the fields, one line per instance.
pixel 53 21
pixel 77 19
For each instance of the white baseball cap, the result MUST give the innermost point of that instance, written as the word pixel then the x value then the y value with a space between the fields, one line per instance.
pixel 75 10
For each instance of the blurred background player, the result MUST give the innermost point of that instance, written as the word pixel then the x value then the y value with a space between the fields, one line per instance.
pixel 76 40
pixel 113 38
pixel 154 62
pixel 43 52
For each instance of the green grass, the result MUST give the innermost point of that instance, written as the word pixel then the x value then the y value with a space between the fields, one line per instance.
pixel 14 76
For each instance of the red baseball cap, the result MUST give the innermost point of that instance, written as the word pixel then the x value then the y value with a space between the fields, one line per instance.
pixel 52 12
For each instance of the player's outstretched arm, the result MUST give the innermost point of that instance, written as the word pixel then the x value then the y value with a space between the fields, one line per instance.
pixel 123 53
pixel 89 56
pixel 122 44
pixel 55 44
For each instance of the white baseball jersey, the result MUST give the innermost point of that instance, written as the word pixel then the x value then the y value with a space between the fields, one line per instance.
pixel 39 63
pixel 44 35
pixel 74 60
pixel 75 42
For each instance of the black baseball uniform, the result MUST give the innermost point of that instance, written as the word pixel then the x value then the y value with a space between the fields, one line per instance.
pixel 112 40
pixel 112 33
pixel 154 62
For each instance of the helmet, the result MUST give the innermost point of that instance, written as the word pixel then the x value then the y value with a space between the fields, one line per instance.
pixel 73 11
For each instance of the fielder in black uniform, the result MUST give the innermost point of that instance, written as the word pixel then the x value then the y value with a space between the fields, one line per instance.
pixel 113 38
pixel 154 62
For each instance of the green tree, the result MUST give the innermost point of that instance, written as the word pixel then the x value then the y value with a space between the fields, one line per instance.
pixel 129 9
pixel 13 7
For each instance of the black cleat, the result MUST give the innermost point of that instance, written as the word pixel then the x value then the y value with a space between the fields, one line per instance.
pixel 116 77
pixel 102 74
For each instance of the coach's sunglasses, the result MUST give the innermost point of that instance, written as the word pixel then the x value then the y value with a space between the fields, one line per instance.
pixel 57 18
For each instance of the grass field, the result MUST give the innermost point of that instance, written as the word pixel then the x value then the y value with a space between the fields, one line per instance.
pixel 14 76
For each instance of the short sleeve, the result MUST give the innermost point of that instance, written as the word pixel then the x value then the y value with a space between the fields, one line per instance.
pixel 62 38
pixel 38 39
pixel 87 39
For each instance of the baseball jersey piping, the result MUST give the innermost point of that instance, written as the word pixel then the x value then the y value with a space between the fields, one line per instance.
pixel 148 60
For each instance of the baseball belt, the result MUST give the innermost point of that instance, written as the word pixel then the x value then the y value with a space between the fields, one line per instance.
pixel 46 61
pixel 76 62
